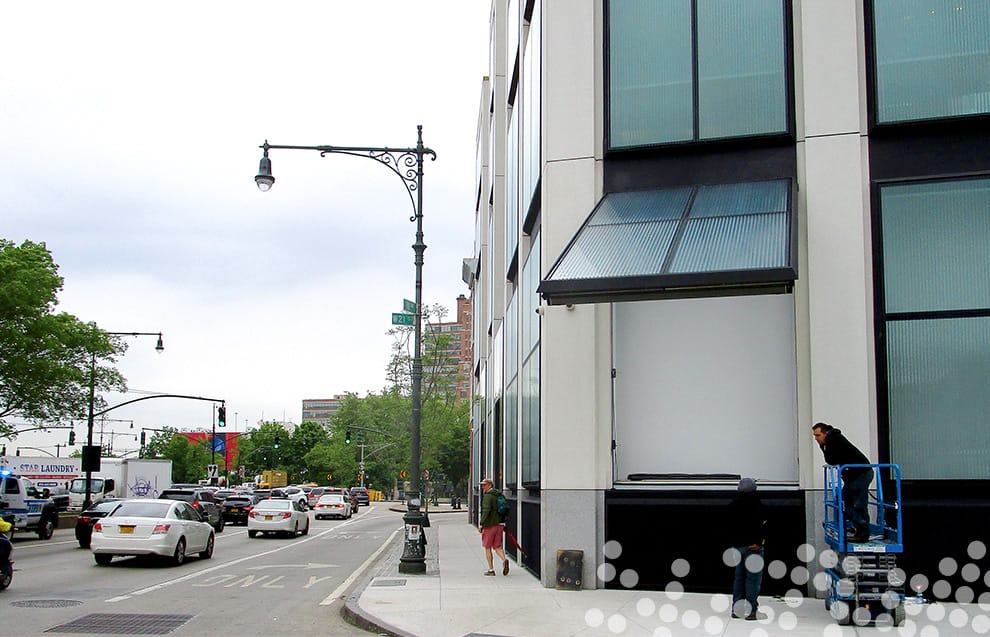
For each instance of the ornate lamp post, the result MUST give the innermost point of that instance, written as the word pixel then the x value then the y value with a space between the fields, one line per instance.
pixel 407 163
pixel 88 459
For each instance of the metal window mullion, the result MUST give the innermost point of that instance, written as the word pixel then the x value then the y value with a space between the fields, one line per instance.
pixel 675 241
pixel 695 93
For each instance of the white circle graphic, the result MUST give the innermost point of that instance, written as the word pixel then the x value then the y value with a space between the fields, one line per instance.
pixel 691 619
pixel 680 567
pixel 646 607
pixel 976 550
pixel 617 623
pixel 947 566
pixel 606 572
pixel 806 553
pixel 629 578
pixel 668 613
pixel 612 549
pixel 594 617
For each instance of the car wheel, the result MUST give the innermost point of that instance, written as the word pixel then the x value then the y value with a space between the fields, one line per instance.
pixel 220 526
pixel 208 552
pixel 306 530
pixel 252 533
pixel 46 527
pixel 103 559
pixel 180 552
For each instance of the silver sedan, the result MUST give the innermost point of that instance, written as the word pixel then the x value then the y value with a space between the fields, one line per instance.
pixel 278 516
pixel 169 528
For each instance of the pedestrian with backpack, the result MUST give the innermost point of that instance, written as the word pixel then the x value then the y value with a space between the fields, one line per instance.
pixel 491 523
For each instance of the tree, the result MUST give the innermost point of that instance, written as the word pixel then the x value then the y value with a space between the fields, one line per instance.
pixel 47 361
pixel 189 459
pixel 156 445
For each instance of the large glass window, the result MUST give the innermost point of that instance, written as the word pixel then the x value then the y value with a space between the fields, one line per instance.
pixel 512 189
pixel 531 115
pixel 511 403
pixel 693 70
pixel 932 59
pixel 937 322
pixel 530 385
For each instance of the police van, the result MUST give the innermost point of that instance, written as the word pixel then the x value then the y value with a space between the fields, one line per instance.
pixel 32 511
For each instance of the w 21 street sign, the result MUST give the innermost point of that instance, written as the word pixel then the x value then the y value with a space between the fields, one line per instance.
pixel 401 318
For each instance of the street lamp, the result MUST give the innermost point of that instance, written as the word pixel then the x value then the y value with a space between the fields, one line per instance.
pixel 407 163
pixel 88 459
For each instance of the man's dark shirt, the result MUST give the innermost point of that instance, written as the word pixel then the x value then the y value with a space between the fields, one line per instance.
pixel 838 450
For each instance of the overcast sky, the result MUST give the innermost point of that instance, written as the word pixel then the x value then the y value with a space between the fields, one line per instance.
pixel 130 135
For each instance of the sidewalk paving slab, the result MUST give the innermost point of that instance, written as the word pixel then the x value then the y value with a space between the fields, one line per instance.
pixel 454 599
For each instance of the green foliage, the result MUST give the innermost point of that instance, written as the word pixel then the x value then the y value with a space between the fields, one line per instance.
pixel 189 458
pixel 47 360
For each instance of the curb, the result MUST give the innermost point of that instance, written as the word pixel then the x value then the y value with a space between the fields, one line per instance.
pixel 354 615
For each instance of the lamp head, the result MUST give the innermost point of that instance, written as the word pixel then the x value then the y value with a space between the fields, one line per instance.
pixel 159 347
pixel 264 177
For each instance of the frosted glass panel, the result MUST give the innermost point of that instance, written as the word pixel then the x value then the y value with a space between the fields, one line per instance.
pixel 932 58
pixel 650 73
pixel 618 250
pixel 936 245
pixel 939 403
pixel 742 88
pixel 749 242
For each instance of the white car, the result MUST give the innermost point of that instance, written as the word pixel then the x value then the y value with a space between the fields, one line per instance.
pixel 278 516
pixel 297 494
pixel 332 505
pixel 171 528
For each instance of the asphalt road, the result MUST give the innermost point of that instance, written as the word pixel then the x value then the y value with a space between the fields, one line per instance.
pixel 261 586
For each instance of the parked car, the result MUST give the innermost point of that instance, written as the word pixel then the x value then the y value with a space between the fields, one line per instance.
pixel 297 494
pixel 87 518
pixel 361 494
pixel 333 505
pixel 235 509
pixel 199 499
pixel 278 516
pixel 262 494
pixel 170 528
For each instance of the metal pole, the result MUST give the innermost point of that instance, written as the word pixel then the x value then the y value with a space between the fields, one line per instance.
pixel 213 441
pixel 417 369
pixel 89 432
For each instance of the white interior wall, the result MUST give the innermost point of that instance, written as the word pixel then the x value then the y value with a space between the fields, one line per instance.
pixel 706 386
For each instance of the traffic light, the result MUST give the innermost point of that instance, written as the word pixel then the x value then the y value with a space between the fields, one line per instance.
pixel 72 436
pixel 278 441
pixel 143 432
pixel 360 437
pixel 221 416
pixel 347 437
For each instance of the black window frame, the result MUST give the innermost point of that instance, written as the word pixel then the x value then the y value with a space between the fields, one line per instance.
pixel 745 141
pixel 946 124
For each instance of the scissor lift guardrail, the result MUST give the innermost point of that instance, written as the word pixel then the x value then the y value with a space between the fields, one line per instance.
pixel 866 587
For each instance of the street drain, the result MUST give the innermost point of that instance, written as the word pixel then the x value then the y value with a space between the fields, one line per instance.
pixel 122 624
pixel 46 603
pixel 388 582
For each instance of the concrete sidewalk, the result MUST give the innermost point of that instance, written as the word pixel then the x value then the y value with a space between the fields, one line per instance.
pixel 455 599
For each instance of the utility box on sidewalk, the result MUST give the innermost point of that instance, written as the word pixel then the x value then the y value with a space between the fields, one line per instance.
pixel 570 564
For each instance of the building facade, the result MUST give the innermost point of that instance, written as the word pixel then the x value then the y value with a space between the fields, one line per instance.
pixel 454 361
pixel 704 226
pixel 321 410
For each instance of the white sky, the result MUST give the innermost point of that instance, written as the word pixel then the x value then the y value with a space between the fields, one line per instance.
pixel 130 134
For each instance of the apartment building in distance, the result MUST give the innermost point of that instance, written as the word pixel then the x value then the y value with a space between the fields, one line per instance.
pixel 320 410
pixel 455 361
pixel 703 226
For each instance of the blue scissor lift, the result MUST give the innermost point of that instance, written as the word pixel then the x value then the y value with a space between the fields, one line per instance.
pixel 865 585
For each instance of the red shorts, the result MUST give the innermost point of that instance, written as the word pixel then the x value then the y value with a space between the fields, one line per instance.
pixel 491 537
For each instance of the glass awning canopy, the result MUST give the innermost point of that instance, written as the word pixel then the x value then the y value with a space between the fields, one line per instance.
pixel 690 241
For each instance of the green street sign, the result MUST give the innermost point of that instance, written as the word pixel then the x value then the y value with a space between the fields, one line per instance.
pixel 408 306
pixel 401 318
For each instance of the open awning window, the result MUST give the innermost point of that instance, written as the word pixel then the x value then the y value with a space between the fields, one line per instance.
pixel 690 241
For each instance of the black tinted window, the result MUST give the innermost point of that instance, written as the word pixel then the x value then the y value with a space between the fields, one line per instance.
pixel 185 496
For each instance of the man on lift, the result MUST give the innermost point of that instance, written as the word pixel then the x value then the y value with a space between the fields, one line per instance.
pixel 855 480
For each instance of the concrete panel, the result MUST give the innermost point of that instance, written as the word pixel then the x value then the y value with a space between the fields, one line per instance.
pixel 571 521
pixel 569 99
pixel 570 191
pixel 840 297
pixel 830 75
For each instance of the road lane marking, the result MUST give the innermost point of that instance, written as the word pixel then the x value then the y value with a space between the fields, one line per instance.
pixel 211 569
pixel 332 597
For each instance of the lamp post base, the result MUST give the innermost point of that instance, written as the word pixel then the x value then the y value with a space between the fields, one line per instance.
pixel 413 558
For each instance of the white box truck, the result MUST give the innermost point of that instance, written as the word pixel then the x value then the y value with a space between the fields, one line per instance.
pixel 128 478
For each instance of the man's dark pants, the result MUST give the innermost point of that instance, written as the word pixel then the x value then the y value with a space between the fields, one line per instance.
pixel 855 497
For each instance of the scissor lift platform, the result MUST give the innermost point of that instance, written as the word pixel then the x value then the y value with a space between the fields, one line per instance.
pixel 866 586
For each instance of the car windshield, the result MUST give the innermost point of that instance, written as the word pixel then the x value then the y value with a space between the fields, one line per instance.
pixel 330 499
pixel 142 509
pixel 185 496
pixel 281 505
pixel 237 500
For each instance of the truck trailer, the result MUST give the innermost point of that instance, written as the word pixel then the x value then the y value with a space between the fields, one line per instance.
pixel 127 478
